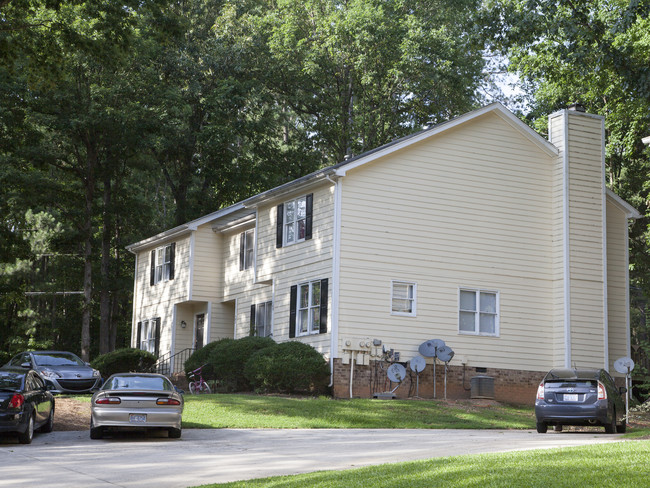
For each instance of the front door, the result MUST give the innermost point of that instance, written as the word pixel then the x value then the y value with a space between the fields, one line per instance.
pixel 199 323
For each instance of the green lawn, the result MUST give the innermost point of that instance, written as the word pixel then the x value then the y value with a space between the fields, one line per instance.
pixel 616 465
pixel 255 411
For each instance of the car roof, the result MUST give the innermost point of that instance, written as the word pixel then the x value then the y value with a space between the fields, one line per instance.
pixel 152 375
pixel 14 369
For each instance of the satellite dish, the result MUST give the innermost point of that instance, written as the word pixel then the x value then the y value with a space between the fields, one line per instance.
pixel 417 364
pixel 396 372
pixel 429 348
pixel 624 365
pixel 445 354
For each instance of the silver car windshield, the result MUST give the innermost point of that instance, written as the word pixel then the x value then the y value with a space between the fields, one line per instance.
pixel 57 359
pixel 137 383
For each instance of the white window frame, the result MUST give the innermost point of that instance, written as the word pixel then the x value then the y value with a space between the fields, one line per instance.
pixel 148 335
pixel 411 296
pixel 249 248
pixel 292 226
pixel 311 311
pixel 267 315
pixel 478 312
pixel 163 264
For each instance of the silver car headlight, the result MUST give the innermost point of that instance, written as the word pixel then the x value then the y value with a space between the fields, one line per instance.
pixel 50 375
pixel 96 373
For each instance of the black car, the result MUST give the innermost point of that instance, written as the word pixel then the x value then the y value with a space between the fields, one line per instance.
pixel 25 403
pixel 569 396
pixel 63 372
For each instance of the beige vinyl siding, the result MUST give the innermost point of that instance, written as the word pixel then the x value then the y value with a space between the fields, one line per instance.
pixel 293 264
pixel 236 281
pixel 158 300
pixel 617 285
pixel 207 280
pixel 586 220
pixel 475 208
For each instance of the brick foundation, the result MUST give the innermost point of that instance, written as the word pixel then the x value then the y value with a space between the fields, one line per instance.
pixel 510 386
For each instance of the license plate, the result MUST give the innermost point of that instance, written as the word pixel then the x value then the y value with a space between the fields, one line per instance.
pixel 136 418
pixel 570 397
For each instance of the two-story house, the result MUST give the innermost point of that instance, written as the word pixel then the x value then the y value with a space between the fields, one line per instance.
pixel 478 232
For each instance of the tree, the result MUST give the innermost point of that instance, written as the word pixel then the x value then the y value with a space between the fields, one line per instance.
pixel 354 75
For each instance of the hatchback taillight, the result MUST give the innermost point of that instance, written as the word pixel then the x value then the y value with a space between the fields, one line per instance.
pixel 17 401
pixel 108 401
pixel 167 401
pixel 602 392
pixel 540 391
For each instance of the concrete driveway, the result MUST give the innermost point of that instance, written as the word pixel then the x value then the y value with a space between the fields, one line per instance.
pixel 71 459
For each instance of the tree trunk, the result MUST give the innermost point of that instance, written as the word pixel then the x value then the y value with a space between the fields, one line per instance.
pixel 105 297
pixel 89 181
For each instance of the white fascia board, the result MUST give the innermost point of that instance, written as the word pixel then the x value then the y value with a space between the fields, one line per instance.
pixel 182 229
pixel 630 211
pixel 496 108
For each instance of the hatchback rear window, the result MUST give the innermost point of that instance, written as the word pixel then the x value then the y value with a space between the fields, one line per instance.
pixel 11 381
pixel 138 383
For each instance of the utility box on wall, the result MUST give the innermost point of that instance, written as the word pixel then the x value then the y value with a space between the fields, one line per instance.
pixel 482 387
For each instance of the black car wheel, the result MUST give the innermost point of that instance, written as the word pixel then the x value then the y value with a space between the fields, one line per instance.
pixel 27 436
pixel 48 426
pixel 96 432
pixel 621 428
pixel 541 428
pixel 174 433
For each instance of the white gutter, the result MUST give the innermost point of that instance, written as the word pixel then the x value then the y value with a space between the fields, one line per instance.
pixel 172 346
pixel 336 275
pixel 190 283
pixel 567 268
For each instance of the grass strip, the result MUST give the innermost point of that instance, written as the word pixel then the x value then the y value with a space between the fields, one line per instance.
pixel 619 465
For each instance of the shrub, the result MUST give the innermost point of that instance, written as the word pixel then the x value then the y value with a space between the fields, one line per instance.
pixel 229 359
pixel 201 357
pixel 290 367
pixel 123 361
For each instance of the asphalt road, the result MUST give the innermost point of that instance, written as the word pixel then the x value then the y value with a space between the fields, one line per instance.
pixel 72 460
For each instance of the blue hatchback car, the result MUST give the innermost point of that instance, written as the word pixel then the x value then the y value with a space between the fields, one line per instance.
pixel 570 396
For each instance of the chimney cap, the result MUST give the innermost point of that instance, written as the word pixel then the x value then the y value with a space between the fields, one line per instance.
pixel 577 107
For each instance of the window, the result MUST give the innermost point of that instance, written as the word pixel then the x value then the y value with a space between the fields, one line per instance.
pixel 308 312
pixel 403 298
pixel 246 247
pixel 479 312
pixel 149 335
pixel 261 319
pixel 294 221
pixel 162 264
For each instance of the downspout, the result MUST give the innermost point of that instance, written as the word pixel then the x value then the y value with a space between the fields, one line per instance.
pixel 567 268
pixel 336 260
pixel 605 276
pixel 134 319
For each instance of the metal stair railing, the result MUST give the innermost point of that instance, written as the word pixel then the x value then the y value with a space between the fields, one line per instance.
pixel 169 364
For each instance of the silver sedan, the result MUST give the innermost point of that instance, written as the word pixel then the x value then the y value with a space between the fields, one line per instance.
pixel 136 401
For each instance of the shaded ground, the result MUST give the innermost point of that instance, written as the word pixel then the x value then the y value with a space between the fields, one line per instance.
pixel 71 414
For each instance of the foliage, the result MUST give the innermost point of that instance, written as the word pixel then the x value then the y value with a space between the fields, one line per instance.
pixel 229 358
pixel 616 464
pixel 289 367
pixel 123 361
pixel 201 357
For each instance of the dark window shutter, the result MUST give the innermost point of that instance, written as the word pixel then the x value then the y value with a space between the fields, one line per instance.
pixel 280 225
pixel 152 281
pixel 293 303
pixel 172 260
pixel 323 306
pixel 252 323
pixel 138 335
pixel 242 250
pixel 309 200
pixel 157 338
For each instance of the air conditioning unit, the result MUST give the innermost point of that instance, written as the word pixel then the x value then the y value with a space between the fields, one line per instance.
pixel 482 387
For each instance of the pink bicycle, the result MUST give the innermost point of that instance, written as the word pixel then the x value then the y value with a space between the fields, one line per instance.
pixel 197 383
